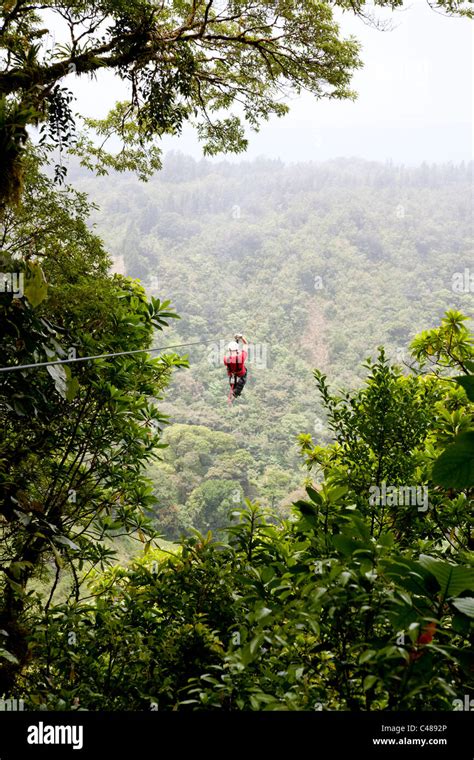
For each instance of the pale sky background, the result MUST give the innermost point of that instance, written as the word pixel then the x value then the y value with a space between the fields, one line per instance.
pixel 415 98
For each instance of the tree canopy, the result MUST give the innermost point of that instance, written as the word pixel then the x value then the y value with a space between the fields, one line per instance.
pixel 215 65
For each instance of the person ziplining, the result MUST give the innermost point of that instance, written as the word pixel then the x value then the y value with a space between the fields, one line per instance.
pixel 234 361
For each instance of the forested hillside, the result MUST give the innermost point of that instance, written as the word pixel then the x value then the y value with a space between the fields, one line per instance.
pixel 318 264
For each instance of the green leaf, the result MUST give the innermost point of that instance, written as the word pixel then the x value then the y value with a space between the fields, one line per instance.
pixel 336 492
pixel 386 540
pixel 467 382
pixel 453 579
pixel 251 651
pixel 408 574
pixel 72 384
pixel 369 654
pixel 314 495
pixel 461 624
pixel 405 596
pixel 36 288
pixel 454 468
pixel 464 605
pixel 255 644
pixel 345 544
pixel 369 681
pixel 57 556
pixel 262 612
pixel 8 656
pixel 306 509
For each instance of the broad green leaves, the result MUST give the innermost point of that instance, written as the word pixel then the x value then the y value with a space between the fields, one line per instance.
pixel 76 439
pixel 451 346
pixel 465 605
pixel 467 382
pixel 261 624
pixel 454 468
pixel 452 579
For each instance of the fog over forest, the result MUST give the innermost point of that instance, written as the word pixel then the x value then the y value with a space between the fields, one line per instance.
pixel 317 263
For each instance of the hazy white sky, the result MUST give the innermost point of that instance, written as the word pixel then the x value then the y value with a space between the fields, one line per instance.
pixel 415 98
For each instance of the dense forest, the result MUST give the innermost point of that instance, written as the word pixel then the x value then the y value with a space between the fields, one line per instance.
pixel 308 547
pixel 311 262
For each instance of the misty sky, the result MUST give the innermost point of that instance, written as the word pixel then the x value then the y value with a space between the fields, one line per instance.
pixel 415 98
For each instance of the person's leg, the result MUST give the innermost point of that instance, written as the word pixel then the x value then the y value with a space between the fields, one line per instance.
pixel 239 384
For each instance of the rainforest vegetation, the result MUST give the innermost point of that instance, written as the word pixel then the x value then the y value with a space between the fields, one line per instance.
pixel 308 547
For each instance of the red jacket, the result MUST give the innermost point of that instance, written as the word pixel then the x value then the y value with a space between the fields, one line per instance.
pixel 235 363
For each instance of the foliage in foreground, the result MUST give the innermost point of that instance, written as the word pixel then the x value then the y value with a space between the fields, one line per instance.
pixel 75 438
pixel 282 617
pixel 357 602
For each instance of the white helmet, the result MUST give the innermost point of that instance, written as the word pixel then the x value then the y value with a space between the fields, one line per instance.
pixel 233 346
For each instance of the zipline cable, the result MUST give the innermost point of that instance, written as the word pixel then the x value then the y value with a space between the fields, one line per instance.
pixel 103 356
